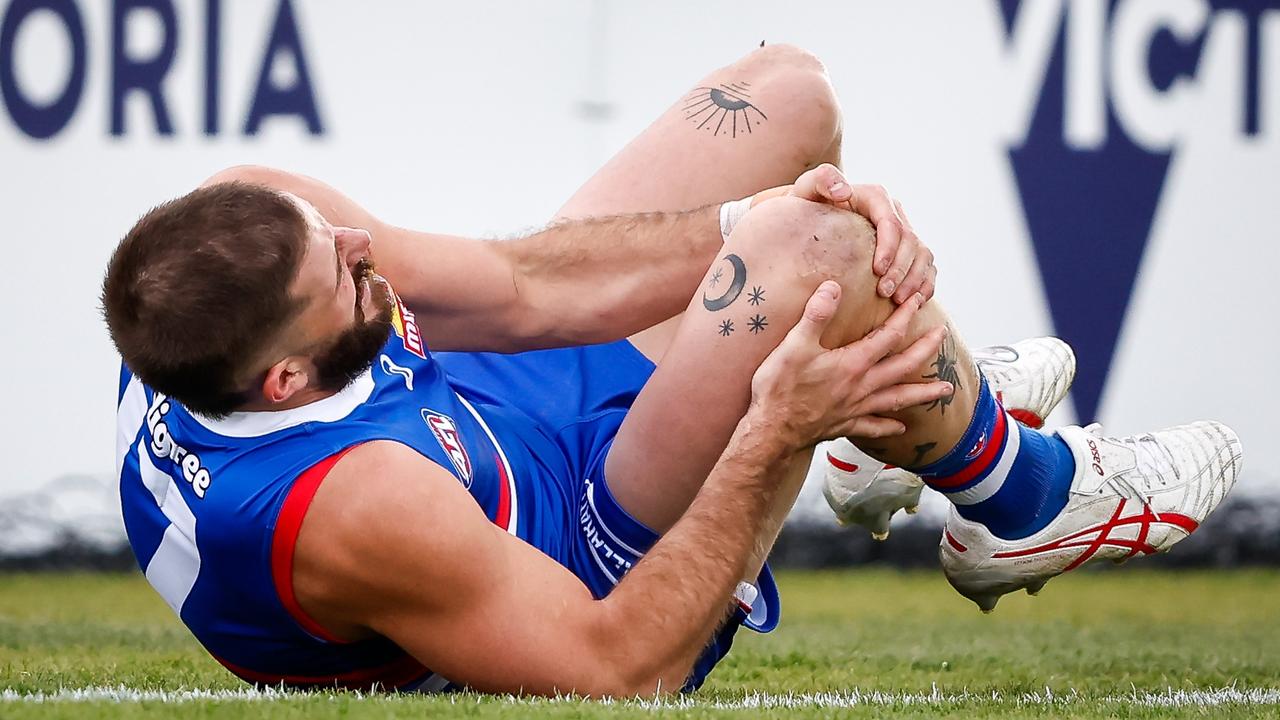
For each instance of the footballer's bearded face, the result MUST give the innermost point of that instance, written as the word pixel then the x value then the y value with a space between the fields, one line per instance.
pixel 346 314
pixel 356 347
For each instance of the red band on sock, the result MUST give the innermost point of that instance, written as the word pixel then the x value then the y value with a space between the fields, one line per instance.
pixel 988 457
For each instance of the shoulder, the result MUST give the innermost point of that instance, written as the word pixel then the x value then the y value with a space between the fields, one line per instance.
pixel 383 514
pixel 382 479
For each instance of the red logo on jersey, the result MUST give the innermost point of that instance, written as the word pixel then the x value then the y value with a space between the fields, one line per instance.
pixel 407 328
pixel 446 432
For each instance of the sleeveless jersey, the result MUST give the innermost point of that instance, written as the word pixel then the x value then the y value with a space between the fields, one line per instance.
pixel 212 508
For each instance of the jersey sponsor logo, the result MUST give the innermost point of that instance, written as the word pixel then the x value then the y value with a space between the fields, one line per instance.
pixel 406 328
pixel 613 559
pixel 164 446
pixel 1104 93
pixel 389 367
pixel 446 432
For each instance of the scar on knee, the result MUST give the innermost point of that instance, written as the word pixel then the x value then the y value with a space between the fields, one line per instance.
pixel 845 241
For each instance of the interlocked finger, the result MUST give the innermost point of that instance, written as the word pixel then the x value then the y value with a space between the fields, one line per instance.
pixel 886 338
pixel 873 426
pixel 900 366
pixel 900 397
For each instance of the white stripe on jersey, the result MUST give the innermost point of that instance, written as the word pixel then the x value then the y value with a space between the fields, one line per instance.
pixel 176 563
pixel 129 418
pixel 511 476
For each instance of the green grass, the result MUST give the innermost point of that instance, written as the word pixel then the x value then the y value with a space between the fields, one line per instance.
pixel 1090 642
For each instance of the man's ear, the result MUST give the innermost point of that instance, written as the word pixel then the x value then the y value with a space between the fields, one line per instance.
pixel 286 379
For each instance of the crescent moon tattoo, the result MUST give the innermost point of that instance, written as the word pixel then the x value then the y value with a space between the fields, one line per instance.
pixel 736 284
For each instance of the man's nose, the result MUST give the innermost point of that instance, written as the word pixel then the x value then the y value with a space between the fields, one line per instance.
pixel 353 243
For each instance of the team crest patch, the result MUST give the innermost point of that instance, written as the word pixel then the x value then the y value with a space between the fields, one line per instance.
pixel 446 432
pixel 977 448
pixel 403 322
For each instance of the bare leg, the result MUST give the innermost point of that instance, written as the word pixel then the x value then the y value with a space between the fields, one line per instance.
pixel 751 296
pixel 681 162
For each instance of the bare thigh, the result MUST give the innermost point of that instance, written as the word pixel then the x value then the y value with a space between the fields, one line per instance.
pixel 699 152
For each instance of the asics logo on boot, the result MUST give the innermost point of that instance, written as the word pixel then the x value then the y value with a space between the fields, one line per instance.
pixel 1097 458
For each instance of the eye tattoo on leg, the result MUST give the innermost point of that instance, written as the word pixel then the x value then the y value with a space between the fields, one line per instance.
pixel 726 328
pixel 944 369
pixel 922 450
pixel 727 102
pixel 757 324
pixel 736 283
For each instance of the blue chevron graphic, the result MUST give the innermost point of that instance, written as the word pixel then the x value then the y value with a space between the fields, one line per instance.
pixel 1090 212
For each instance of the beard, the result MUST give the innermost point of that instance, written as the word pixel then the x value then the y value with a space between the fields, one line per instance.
pixel 356 348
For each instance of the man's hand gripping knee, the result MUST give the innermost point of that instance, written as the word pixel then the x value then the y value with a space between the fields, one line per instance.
pixel 809 393
pixel 902 262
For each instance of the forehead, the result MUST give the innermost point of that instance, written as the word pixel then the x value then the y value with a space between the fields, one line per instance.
pixel 309 213
pixel 316 274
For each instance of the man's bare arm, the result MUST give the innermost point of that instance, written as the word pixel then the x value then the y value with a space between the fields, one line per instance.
pixel 575 282
pixel 393 545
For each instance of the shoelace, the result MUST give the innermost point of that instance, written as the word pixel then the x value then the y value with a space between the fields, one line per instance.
pixel 1152 458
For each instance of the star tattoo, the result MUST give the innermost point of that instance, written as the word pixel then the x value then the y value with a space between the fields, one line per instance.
pixel 757 323
pixel 715 277
pixel 756 296
pixel 726 327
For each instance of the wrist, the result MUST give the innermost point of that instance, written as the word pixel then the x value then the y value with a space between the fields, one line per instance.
pixel 761 435
pixel 731 212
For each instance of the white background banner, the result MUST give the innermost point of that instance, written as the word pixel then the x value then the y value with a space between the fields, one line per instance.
pixel 1106 168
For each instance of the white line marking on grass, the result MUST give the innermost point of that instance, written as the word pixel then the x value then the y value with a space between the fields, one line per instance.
pixel 937 698
pixel 1169 698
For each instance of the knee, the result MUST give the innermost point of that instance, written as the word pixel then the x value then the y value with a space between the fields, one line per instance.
pixel 815 239
pixel 796 92
pixel 782 55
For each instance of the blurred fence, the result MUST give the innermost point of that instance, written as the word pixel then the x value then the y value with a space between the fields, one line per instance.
pixel 74 523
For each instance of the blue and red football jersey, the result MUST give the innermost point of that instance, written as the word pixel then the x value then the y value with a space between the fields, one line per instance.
pixel 213 507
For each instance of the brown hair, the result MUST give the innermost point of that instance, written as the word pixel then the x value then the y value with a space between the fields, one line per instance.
pixel 199 285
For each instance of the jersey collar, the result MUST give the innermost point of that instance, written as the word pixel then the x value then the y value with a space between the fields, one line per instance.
pixel 330 409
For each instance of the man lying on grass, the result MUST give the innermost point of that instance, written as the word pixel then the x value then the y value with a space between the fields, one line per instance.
pixel 337 483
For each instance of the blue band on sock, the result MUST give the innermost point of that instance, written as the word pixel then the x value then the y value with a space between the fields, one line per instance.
pixel 986 413
pixel 1035 480
pixel 1038 487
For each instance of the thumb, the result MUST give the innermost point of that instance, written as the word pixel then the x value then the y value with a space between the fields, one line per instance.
pixel 817 313
pixel 824 183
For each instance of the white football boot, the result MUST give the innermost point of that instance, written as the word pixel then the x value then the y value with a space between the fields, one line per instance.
pixel 1029 378
pixel 1130 496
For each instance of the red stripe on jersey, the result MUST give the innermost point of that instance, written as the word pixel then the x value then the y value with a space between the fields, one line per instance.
pixel 285 538
pixel 398 673
pixel 503 518
pixel 990 454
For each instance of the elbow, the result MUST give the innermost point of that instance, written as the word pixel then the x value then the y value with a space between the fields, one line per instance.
pixel 540 317
pixel 253 174
pixel 653 685
pixel 624 681
pixel 634 662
